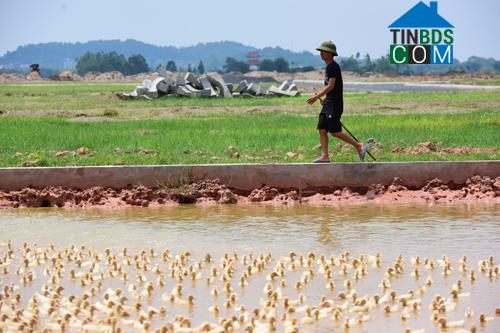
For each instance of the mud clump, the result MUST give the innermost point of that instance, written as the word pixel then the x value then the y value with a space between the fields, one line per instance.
pixel 434 185
pixel 266 193
pixel 375 190
pixel 423 147
pixel 140 196
pixel 396 186
pixel 203 191
pixel 212 191
pixel 481 187
pixel 430 147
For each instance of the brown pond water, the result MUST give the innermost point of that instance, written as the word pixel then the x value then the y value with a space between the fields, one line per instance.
pixel 429 231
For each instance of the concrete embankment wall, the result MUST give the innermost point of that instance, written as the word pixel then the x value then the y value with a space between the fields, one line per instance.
pixel 249 176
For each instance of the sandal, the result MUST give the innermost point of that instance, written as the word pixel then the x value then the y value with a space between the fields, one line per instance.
pixel 363 152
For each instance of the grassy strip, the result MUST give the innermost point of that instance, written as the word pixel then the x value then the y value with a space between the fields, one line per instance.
pixel 257 137
pixel 71 98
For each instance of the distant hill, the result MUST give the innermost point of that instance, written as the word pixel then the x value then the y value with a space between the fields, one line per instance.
pixel 64 55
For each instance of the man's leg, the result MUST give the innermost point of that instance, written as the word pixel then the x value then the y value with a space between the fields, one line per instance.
pixel 323 136
pixel 348 139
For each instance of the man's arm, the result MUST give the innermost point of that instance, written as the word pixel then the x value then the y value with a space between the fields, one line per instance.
pixel 326 90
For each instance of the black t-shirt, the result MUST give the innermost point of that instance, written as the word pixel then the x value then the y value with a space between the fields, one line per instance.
pixel 336 95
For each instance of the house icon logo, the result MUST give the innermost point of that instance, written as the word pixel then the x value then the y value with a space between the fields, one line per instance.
pixel 422 36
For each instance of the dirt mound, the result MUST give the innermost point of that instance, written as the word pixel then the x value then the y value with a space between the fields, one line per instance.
pixel 203 191
pixel 110 76
pixel 34 76
pixel 482 186
pixel 117 76
pixel 430 147
pixel 67 76
pixel 8 77
pixel 141 77
pixel 90 76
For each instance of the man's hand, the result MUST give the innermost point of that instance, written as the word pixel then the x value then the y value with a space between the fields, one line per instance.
pixel 312 100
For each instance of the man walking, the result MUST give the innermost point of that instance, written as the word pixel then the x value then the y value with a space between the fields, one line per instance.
pixel 333 105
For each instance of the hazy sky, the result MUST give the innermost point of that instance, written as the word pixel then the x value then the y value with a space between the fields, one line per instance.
pixel 354 25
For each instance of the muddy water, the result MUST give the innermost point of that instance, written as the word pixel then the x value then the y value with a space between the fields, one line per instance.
pixel 429 231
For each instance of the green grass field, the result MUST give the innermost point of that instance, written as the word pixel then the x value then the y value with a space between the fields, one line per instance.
pixel 40 121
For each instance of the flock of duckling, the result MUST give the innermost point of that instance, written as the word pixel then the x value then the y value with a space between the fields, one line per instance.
pixel 79 289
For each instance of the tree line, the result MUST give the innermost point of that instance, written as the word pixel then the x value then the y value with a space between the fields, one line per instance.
pixel 105 62
pixel 365 64
pixel 280 65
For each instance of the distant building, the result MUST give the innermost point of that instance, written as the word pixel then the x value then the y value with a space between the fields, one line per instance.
pixel 253 60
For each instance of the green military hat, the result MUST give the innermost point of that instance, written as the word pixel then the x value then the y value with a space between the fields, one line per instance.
pixel 328 46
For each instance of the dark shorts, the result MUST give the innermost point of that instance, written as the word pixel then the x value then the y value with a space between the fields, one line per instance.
pixel 329 119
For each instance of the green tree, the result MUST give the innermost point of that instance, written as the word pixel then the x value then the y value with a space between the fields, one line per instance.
pixel 350 64
pixel 101 62
pixel 106 62
pixel 281 65
pixel 496 66
pixel 382 65
pixel 201 68
pixel 171 66
pixel 267 65
pixel 233 65
pixel 367 64
pixel 137 64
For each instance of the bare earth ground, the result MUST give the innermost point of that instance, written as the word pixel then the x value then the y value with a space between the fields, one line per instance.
pixel 476 188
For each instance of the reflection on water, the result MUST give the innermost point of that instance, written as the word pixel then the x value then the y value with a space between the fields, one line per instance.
pixel 425 230
pixel 405 229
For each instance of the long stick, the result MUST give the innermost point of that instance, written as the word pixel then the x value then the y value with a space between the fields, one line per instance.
pixel 356 139
pixel 352 135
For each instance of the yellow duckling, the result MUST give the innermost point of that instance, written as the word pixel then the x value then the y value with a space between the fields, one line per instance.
pixel 407 296
pixel 452 324
pixel 189 301
pixel 483 319
pixel 291 326
pixel 405 314
pixel 428 281
pixel 349 323
pixel 456 295
pixel 309 319
pixel 214 309
pixel 148 290
pixel 389 309
pixel 385 284
pixel 469 313
pixel 348 284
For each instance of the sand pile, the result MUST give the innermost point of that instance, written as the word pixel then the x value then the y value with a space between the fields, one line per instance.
pixel 34 76
pixel 67 76
pixel 110 76
pixel 7 77
pixel 90 76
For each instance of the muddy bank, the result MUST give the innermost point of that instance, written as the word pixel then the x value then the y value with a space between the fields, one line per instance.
pixel 476 188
